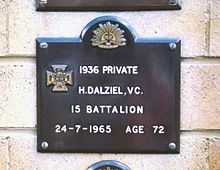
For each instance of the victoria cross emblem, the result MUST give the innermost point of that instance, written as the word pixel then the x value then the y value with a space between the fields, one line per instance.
pixel 59 78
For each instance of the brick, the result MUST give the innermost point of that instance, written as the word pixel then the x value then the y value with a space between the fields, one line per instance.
pixel 215 29
pixel 200 95
pixel 4 156
pixel 3 28
pixel 194 155
pixel 18 93
pixel 214 154
pixel 188 24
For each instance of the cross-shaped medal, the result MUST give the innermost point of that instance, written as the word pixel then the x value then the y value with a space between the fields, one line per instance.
pixel 59 78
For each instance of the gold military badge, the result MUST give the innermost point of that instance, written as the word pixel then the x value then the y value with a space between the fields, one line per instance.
pixel 108 36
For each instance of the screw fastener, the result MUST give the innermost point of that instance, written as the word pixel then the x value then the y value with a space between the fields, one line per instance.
pixel 172 146
pixel 173 2
pixel 172 46
pixel 42 2
pixel 43 45
pixel 44 145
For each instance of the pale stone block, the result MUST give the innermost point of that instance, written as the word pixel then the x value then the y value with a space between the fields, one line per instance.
pixel 188 24
pixel 200 95
pixel 214 154
pixel 3 28
pixel 215 29
pixel 18 93
pixel 4 155
pixel 194 155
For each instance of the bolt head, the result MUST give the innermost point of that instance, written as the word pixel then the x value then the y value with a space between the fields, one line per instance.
pixel 43 45
pixel 173 2
pixel 172 46
pixel 172 146
pixel 43 2
pixel 44 145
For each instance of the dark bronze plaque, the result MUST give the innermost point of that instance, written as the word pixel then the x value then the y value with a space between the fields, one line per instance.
pixel 109 165
pixel 108 91
pixel 101 5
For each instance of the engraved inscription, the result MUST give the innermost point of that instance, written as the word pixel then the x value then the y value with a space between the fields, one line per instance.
pixel 108 91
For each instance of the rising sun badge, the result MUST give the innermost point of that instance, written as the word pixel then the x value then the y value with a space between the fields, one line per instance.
pixel 108 36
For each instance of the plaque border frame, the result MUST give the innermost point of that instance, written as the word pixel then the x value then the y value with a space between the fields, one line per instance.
pixel 68 5
pixel 136 39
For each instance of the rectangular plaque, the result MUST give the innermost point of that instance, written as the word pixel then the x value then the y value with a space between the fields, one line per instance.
pixel 101 5
pixel 108 92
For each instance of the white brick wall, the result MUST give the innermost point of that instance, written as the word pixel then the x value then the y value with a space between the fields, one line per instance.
pixel 200 94
pixel 194 155
pixel 197 25
pixel 189 25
